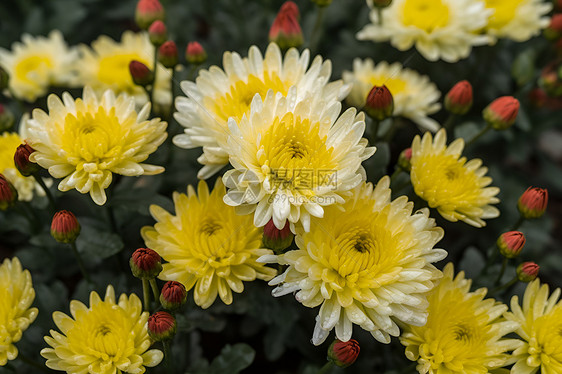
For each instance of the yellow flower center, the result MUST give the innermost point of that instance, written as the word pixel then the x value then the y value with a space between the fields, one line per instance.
pixel 394 85
pixel 504 12
pixel 9 141
pixel 427 15
pixel 114 70
pixel 34 68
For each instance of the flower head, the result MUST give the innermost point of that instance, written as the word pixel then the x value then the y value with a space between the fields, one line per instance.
pixel 459 99
pixel 379 104
pixel 539 316
pixel 457 188
pixel 464 332
pixel 38 63
pixel 107 337
pixel 195 53
pixel 511 243
pixel 286 31
pixel 502 112
pixel 173 295
pixel 207 246
pixel 367 262
pixel 218 95
pixel 533 202
pixel 21 160
pixel 65 227
pixel 414 96
pixel 343 354
pixel 86 140
pixel 145 263
pixel 168 54
pixel 157 33
pixel 527 271
pixel 161 326
pixel 446 29
pixel 16 296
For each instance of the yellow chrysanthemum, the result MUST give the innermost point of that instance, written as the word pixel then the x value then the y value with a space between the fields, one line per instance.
pixel 108 337
pixel 445 29
pixel 448 182
pixel 85 140
pixel 292 158
pixel 16 296
pixel 540 318
pixel 218 95
pixel 207 246
pixel 415 97
pixel 106 66
pixel 367 262
pixel 464 332
pixel 517 19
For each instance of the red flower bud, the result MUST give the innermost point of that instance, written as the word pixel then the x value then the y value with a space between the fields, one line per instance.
pixel 168 54
pixel 161 326
pixel 145 263
pixel 343 354
pixel 380 104
pixel 140 73
pixel 6 118
pixel 8 193
pixel 173 295
pixel 285 30
pixel 147 12
pixel 511 243
pixel 404 159
pixel 550 80
pixel 554 30
pixel 65 227
pixel 21 160
pixel 533 202
pixel 527 271
pixel 157 33
pixel 276 239
pixel 195 53
pixel 459 99
pixel 382 3
pixel 502 112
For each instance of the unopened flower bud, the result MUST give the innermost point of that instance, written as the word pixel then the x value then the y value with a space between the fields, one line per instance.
pixel 322 3
pixel 161 326
pixel 343 354
pixel 533 202
pixel 502 112
pixel 404 160
pixel 157 33
pixel 550 81
pixel 379 104
pixel 147 12
pixel 65 227
pixel 8 193
pixel 4 79
pixel 21 160
pixel 168 54
pixel 459 99
pixel 6 118
pixel 285 30
pixel 145 263
pixel 511 243
pixel 527 271
pixel 381 3
pixel 173 295
pixel 554 30
pixel 195 53
pixel 140 73
pixel 275 239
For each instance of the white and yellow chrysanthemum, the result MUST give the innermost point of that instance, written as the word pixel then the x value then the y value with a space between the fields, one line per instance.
pixel 415 96
pixel 106 66
pixel 540 318
pixel 218 95
pixel 16 296
pixel 207 246
pixel 108 337
pixel 367 262
pixel 517 19
pixel 464 332
pixel 38 63
pixel 292 158
pixel 456 188
pixel 439 29
pixel 86 140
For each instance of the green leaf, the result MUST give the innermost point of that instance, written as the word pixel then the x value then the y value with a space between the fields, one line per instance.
pixel 97 244
pixel 523 68
pixel 232 360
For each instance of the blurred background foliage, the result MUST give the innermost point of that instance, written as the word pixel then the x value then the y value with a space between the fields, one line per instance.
pixel 274 333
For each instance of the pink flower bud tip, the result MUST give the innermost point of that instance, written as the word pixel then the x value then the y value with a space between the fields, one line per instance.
pixel 140 73
pixel 145 263
pixel 147 12
pixel 157 33
pixel 8 194
pixel 285 30
pixel 533 202
pixel 528 271
pixel 343 354
pixel 168 54
pixel 21 160
pixel 276 239
pixel 459 99
pixel 195 53
pixel 173 295
pixel 379 104
pixel 161 326
pixel 511 243
pixel 554 30
pixel 65 227
pixel 502 112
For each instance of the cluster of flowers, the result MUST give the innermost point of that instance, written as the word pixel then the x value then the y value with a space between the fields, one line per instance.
pixel 296 173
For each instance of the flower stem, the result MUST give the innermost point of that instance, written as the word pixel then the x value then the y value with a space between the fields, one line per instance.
pixel 502 271
pixel 448 125
pixel 395 175
pixel 155 291
pixel 168 362
pixel 490 261
pixel 375 134
pixel 31 362
pixel 316 31
pixel 503 287
pixel 477 136
pixel 146 295
pixel 391 131
pixel 518 223
pixel 80 263
pixel 326 368
pixel 47 191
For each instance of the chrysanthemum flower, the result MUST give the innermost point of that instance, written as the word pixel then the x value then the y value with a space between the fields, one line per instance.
pixel 106 66
pixel 37 63
pixel 540 317
pixel 217 95
pixel 445 29
pixel 86 140
pixel 108 337
pixel 448 182
pixel 415 96
pixel 367 262
pixel 517 19
pixel 207 246
pixel 16 296
pixel 464 332
pixel 291 160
